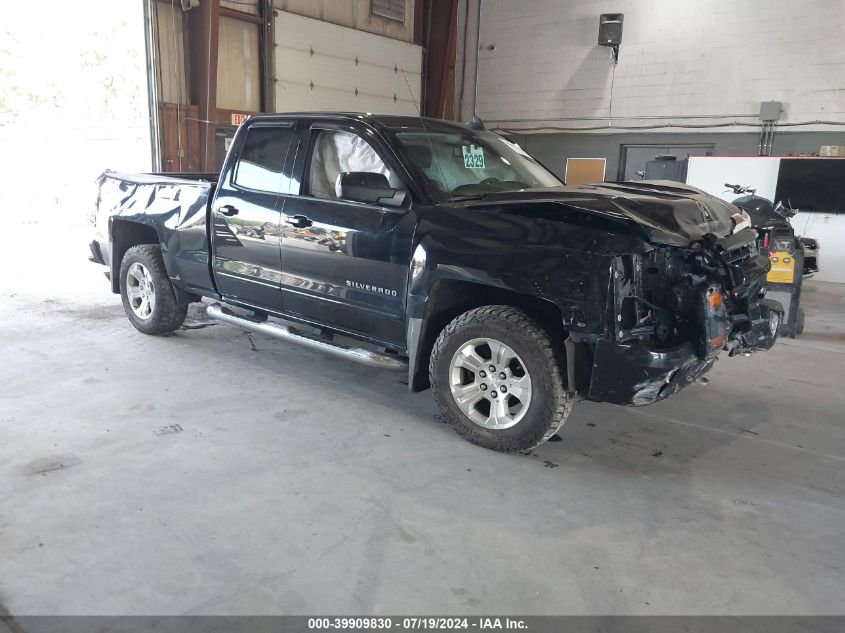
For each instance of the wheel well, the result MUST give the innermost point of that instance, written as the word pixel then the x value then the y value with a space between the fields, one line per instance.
pixel 124 235
pixel 448 299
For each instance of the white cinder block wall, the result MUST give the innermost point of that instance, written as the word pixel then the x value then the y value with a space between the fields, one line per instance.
pixel 539 60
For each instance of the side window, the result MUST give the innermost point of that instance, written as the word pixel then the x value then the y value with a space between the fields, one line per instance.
pixel 336 152
pixel 262 159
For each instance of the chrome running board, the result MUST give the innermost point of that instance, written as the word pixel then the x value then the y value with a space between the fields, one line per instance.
pixel 286 333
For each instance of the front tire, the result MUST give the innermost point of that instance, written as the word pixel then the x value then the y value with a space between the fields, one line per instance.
pixel 148 297
pixel 498 380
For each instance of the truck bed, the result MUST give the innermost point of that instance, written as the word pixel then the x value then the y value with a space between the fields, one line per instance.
pixel 123 194
pixel 173 206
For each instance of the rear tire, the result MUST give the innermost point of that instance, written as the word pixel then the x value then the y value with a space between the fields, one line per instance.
pixel 499 350
pixel 148 297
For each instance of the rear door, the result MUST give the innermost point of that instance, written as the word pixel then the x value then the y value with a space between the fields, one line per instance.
pixel 246 216
pixel 345 264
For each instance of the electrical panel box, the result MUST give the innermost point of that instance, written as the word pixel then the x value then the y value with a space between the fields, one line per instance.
pixel 770 110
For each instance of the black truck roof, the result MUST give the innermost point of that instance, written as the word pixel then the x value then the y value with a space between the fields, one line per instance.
pixel 389 121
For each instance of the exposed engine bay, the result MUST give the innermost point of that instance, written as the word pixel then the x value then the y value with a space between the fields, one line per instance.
pixel 704 294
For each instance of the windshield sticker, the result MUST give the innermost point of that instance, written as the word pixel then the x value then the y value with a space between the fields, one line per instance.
pixel 473 157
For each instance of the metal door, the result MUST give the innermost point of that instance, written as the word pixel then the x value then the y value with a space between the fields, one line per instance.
pixel 246 218
pixel 345 264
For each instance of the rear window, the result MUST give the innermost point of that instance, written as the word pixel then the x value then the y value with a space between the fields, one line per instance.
pixel 262 159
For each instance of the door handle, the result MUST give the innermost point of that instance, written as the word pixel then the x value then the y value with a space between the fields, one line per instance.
pixel 228 209
pixel 299 221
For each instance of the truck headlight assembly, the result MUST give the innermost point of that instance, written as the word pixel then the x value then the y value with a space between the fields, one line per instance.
pixel 714 299
pixel 714 320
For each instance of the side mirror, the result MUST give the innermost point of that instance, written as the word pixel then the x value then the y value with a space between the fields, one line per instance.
pixel 368 187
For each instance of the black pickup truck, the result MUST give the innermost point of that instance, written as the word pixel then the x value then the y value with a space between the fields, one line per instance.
pixel 449 253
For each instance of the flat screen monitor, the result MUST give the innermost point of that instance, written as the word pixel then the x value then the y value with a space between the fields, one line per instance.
pixel 812 184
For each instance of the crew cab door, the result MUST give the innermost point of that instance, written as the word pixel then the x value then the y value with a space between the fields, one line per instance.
pixel 344 263
pixel 246 215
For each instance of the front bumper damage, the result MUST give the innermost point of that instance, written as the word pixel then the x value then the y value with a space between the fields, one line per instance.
pixel 661 346
pixel 635 374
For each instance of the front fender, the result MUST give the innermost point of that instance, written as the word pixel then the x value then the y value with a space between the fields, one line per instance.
pixel 573 300
pixel 575 282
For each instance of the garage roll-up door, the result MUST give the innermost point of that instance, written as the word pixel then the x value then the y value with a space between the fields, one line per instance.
pixel 322 66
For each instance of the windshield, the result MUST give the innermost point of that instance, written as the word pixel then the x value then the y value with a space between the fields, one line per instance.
pixel 467 164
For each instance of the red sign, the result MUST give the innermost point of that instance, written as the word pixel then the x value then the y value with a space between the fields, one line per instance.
pixel 237 119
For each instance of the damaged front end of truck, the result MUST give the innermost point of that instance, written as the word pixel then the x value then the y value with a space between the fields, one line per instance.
pixel 657 279
pixel 675 310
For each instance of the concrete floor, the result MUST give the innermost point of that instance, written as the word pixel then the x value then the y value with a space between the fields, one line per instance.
pixel 193 474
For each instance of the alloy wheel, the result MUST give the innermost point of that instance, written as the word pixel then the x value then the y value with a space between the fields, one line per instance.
pixel 490 383
pixel 140 290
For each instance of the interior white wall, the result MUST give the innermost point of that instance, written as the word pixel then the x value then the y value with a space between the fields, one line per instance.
pixel 710 173
pixel 829 230
pixel 539 60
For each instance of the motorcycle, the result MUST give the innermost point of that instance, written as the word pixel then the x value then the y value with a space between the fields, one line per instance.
pixel 793 258
pixel 765 215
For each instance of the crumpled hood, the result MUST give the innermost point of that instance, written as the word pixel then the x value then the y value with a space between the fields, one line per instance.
pixel 669 212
